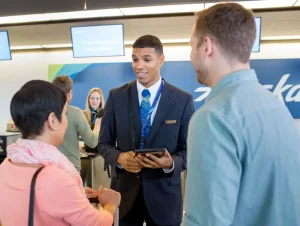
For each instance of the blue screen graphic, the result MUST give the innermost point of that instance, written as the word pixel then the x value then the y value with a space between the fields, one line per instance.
pixel 4 46
pixel 256 46
pixel 98 41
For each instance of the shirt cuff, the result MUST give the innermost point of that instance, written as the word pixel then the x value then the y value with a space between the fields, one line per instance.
pixel 119 166
pixel 169 170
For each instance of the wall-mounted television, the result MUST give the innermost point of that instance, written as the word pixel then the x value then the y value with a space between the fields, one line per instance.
pixel 5 53
pixel 98 40
pixel 256 46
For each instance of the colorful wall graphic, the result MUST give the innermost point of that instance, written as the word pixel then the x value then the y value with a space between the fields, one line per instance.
pixel 280 76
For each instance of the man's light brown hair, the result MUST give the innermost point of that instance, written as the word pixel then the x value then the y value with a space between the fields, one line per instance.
pixel 64 82
pixel 231 27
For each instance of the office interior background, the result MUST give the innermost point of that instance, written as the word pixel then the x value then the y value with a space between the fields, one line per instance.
pixel 39 34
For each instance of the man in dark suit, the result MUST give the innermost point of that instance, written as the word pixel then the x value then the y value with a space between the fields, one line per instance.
pixel 150 186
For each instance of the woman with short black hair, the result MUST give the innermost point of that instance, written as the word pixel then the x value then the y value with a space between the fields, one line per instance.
pixel 39 111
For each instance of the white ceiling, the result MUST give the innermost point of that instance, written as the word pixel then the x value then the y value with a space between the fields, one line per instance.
pixel 273 24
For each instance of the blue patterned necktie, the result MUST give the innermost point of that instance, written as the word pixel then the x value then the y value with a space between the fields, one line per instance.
pixel 144 110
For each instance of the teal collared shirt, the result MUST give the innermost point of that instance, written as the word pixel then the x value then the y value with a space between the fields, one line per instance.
pixel 243 158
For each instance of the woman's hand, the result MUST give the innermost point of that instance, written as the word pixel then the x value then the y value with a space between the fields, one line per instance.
pixel 90 193
pixel 109 199
pixel 97 125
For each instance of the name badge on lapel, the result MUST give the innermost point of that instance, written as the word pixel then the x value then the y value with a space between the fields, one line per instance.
pixel 170 122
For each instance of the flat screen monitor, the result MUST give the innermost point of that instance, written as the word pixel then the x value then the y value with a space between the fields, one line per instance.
pixel 98 40
pixel 5 53
pixel 256 46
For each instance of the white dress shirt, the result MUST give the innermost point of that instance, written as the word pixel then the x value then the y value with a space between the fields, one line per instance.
pixel 153 91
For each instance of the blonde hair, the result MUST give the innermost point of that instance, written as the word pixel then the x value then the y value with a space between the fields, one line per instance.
pixel 87 112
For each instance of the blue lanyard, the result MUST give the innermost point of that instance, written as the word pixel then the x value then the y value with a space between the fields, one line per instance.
pixel 144 123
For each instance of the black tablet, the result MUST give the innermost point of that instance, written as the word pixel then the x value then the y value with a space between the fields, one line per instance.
pixel 158 152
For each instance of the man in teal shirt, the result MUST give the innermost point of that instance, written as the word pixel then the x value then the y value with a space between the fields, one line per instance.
pixel 243 145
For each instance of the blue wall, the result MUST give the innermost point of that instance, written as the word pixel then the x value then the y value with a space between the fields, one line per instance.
pixel 280 76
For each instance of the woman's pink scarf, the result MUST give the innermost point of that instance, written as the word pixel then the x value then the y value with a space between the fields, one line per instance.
pixel 36 152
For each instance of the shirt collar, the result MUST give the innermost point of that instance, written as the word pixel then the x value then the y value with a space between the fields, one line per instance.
pixel 232 79
pixel 152 89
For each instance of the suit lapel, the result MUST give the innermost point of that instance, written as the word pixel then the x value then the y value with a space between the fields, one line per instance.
pixel 135 108
pixel 163 107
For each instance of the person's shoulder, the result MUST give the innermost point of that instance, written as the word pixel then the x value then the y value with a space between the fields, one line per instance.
pixel 121 89
pixel 84 112
pixel 3 167
pixel 178 91
pixel 75 111
pixel 74 108
pixel 51 175
pixel 54 170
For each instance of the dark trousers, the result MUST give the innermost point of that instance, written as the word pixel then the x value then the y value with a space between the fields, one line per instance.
pixel 139 213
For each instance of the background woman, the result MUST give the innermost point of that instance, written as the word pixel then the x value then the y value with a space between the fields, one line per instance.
pixel 94 106
pixel 93 109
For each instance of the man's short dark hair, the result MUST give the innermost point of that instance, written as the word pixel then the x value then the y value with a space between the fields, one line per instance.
pixel 231 26
pixel 64 82
pixel 149 41
pixel 31 105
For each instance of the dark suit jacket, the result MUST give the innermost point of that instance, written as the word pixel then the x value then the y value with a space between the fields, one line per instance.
pixel 162 192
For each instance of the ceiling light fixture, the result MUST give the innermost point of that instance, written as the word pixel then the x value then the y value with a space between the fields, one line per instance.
pixel 274 38
pixel 261 4
pixel 55 46
pixel 52 46
pixel 149 10
pixel 25 47
pixel 164 41
pixel 163 9
pixel 58 46
pixel 61 16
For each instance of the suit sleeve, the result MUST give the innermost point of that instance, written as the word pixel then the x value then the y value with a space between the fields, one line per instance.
pixel 107 138
pixel 179 157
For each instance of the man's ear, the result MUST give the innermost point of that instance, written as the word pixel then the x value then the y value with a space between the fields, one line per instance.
pixel 208 46
pixel 69 94
pixel 162 59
